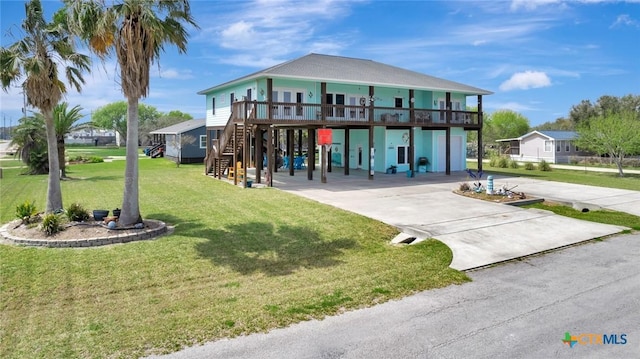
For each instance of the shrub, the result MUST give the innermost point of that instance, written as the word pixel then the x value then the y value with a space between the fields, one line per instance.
pixel 77 213
pixel 544 166
pixel 25 211
pixel 51 224
pixel 493 162
pixel 503 162
pixel 464 187
pixel 513 164
pixel 529 166
pixel 95 159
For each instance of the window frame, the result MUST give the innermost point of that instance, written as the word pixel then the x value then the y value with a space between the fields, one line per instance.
pixel 203 142
pixel 405 154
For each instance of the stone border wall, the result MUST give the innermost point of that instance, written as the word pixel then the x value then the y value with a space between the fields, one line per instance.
pixel 143 234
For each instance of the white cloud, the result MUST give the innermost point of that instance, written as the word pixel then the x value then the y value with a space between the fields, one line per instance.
pixel 530 5
pixel 267 30
pixel 624 20
pixel 526 80
pixel 513 106
pixel 171 73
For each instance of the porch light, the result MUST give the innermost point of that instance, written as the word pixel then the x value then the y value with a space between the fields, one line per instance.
pixel 310 94
pixel 261 92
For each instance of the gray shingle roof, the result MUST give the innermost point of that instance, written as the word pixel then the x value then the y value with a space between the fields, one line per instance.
pixel 317 67
pixel 181 127
pixel 560 135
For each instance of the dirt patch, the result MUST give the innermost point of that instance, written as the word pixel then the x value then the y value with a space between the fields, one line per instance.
pixel 493 198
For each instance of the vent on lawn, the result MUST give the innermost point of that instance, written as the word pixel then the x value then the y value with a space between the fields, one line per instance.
pixel 408 240
pixel 585 210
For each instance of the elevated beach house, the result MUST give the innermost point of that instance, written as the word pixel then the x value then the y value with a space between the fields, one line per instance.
pixel 380 116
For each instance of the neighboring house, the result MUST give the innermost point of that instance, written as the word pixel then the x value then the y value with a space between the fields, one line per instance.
pixel 91 136
pixel 380 116
pixel 176 146
pixel 551 146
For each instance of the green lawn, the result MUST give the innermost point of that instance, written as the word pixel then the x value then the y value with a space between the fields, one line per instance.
pixel 239 261
pixel 600 179
pixel 601 216
pixel 10 161
pixel 100 151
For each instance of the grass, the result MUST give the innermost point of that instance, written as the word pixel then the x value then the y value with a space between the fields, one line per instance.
pixel 239 261
pixel 600 179
pixel 101 151
pixel 601 216
pixel 11 161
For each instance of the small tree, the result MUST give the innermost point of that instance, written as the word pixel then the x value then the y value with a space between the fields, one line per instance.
pixel 65 122
pixel 112 117
pixel 617 135
pixel 30 137
pixel 178 142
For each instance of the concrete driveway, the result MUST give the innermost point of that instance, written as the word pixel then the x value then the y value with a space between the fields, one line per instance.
pixel 479 233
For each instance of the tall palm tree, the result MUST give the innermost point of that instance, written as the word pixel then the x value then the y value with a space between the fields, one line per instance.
pixel 136 30
pixel 64 121
pixel 32 61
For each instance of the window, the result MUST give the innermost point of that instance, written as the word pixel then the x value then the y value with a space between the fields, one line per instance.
pixel 558 146
pixel 548 145
pixel 203 141
pixel 340 102
pixel 398 102
pixel 274 98
pixel 213 105
pixel 329 101
pixel 299 97
pixel 403 155
pixel 566 146
pixel 577 149
pixel 287 99
pixel 231 99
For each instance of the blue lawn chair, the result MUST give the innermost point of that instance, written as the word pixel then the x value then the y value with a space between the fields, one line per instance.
pixel 298 163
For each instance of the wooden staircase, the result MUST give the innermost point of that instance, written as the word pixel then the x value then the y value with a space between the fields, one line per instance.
pixel 231 142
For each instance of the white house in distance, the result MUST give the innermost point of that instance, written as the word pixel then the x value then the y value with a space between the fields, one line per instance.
pixel 551 146
pixel 380 115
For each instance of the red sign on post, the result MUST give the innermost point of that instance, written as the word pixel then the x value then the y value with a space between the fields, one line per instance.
pixel 324 136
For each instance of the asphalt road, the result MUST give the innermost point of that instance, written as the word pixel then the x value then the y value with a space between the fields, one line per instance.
pixel 520 309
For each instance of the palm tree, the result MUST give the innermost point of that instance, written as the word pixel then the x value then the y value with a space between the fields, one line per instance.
pixel 30 138
pixel 32 61
pixel 65 122
pixel 136 31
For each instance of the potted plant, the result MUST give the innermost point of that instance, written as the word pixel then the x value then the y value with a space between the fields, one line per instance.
pixel 99 214
pixel 116 212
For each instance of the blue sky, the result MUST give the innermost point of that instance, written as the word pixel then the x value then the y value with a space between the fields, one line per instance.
pixel 538 57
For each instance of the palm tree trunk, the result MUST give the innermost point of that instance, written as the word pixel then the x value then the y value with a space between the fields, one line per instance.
pixel 54 193
pixel 130 213
pixel 61 157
